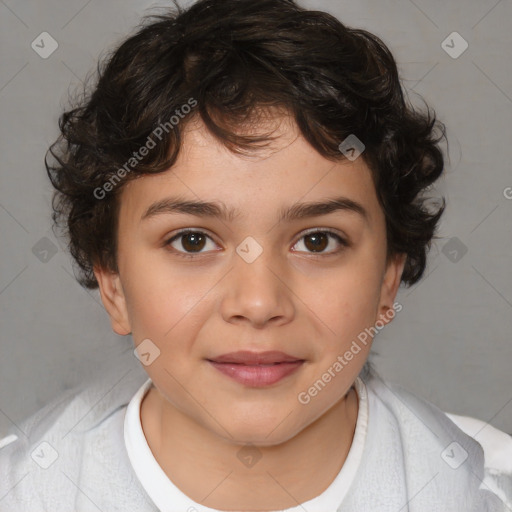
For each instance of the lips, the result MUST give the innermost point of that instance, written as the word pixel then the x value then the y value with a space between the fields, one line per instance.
pixel 256 369
pixel 255 358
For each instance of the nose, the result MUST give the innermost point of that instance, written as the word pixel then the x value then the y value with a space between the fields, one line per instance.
pixel 258 293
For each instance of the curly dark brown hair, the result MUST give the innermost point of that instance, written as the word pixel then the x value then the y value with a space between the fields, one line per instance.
pixel 227 59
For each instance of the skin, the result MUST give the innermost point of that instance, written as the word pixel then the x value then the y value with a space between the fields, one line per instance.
pixel 308 304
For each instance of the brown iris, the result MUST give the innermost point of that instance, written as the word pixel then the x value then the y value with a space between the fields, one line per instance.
pixel 318 241
pixel 193 242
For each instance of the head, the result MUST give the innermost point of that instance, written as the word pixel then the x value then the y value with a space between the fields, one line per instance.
pixel 234 121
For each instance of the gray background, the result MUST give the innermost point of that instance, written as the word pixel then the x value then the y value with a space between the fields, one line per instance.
pixel 451 342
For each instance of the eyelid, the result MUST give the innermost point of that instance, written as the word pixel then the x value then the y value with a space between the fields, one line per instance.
pixel 185 231
pixel 324 230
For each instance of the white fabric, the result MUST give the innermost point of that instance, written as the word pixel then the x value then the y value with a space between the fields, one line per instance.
pixel 496 444
pixel 168 498
pixel 414 458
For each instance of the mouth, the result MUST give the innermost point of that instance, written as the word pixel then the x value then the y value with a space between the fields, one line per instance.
pixel 255 358
pixel 256 369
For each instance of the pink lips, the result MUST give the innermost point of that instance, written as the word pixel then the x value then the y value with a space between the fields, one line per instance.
pixel 256 369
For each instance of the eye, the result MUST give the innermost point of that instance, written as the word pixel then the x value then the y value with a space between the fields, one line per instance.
pixel 317 241
pixel 191 241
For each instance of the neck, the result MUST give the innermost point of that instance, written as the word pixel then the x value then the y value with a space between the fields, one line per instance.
pixel 208 469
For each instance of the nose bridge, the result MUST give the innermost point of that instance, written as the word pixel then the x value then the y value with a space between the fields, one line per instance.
pixel 256 290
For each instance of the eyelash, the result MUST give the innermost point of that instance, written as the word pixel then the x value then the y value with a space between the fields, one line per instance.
pixel 344 243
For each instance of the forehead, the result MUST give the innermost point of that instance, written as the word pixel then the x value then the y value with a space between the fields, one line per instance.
pixel 289 171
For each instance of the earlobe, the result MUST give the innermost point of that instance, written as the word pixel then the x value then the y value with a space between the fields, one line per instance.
pixel 112 296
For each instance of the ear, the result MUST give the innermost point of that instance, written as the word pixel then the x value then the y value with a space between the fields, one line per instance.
pixel 390 284
pixel 112 296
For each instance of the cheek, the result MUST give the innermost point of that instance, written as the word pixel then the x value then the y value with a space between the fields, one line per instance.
pixel 162 301
pixel 345 302
pixel 152 298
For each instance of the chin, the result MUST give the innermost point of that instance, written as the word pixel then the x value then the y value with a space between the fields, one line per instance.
pixel 260 430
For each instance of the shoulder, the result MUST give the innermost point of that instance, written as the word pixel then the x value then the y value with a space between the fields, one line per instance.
pixel 467 455
pixel 497 445
pixel 42 459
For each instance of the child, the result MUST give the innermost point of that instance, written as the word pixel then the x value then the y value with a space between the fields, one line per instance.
pixel 219 147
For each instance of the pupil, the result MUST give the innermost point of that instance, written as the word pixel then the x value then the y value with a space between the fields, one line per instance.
pixel 195 239
pixel 319 242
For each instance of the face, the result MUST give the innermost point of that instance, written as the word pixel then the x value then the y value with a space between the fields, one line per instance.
pixel 267 275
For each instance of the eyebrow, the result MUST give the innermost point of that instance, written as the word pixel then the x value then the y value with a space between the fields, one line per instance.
pixel 176 205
